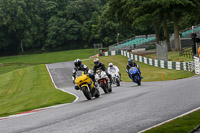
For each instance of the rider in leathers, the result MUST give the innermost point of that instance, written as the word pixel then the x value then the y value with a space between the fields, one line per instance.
pixel 79 66
pixel 132 64
pixel 112 68
pixel 100 66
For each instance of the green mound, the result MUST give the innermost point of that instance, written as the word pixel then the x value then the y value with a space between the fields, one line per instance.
pixel 29 88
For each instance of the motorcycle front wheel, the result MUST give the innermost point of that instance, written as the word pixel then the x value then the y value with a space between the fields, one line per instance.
pixel 137 77
pixel 117 82
pixel 109 87
pixel 87 93
pixel 104 87
pixel 97 93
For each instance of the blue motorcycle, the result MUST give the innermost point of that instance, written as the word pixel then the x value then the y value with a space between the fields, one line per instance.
pixel 135 75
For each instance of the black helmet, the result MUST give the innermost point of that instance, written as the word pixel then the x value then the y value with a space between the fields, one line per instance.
pixel 77 62
pixel 130 61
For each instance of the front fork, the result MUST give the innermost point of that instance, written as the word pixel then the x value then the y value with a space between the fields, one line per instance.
pixel 86 85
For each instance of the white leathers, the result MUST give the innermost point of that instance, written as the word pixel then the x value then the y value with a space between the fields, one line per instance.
pixel 113 69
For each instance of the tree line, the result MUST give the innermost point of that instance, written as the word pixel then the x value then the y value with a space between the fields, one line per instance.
pixel 166 16
pixel 49 25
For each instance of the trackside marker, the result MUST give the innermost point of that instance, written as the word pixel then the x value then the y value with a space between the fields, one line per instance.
pixel 32 111
pixel 2 118
pixel 22 114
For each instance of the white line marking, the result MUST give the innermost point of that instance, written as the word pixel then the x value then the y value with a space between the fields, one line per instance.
pixel 41 109
pixel 60 88
pixel 170 120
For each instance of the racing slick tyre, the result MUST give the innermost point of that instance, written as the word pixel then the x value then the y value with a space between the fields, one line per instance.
pixel 87 93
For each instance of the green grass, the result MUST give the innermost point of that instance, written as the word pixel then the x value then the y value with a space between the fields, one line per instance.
pixel 25 85
pixel 181 125
pixel 172 56
pixel 29 88
pixel 11 67
pixel 149 73
pixel 46 58
pixel 11 63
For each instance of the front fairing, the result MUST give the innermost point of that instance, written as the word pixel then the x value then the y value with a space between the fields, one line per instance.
pixel 83 80
pixel 133 70
pixel 100 75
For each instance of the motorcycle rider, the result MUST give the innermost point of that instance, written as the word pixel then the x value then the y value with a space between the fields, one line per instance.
pixel 79 66
pixel 112 68
pixel 132 64
pixel 100 66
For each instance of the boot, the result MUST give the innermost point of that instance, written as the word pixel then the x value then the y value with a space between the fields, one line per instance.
pixel 96 84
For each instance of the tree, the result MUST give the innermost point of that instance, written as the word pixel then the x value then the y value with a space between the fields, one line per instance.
pixel 177 8
pixel 136 11
pixel 15 18
pixel 22 22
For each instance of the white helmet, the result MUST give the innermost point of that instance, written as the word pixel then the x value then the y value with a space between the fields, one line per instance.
pixel 110 65
pixel 96 61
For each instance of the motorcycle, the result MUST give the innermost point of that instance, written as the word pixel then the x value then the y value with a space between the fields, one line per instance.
pixel 86 85
pixel 135 75
pixel 103 81
pixel 115 78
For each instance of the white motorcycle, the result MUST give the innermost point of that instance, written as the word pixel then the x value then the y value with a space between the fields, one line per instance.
pixel 103 81
pixel 115 78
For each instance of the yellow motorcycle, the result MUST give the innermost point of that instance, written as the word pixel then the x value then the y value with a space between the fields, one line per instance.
pixel 86 85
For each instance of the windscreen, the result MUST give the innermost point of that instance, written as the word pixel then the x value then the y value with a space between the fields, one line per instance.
pixel 131 69
pixel 79 73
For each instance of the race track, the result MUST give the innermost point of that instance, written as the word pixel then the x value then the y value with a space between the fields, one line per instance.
pixel 129 109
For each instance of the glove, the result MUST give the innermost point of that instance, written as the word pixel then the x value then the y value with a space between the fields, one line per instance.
pixel 76 87
pixel 85 72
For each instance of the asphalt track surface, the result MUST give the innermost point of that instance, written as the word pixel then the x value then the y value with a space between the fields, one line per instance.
pixel 128 109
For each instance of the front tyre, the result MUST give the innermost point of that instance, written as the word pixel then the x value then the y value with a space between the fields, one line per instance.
pixel 138 79
pixel 104 87
pixel 117 82
pixel 87 93
pixel 97 93
pixel 109 87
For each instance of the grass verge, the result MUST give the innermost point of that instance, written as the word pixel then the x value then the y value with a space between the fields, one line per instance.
pixel 11 63
pixel 46 58
pixel 184 124
pixel 11 67
pixel 149 73
pixel 29 88
pixel 172 56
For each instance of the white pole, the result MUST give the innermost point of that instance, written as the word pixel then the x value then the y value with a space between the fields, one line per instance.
pixel 117 38
pixel 196 63
pixel 192 29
